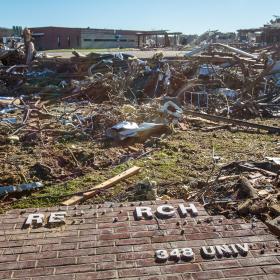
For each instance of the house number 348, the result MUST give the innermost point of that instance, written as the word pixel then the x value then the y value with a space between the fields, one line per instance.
pixel 185 254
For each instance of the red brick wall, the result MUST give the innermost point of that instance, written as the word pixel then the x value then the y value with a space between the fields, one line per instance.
pixel 49 40
pixel 106 242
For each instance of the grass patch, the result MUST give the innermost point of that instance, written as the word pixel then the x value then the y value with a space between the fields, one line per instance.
pixel 182 157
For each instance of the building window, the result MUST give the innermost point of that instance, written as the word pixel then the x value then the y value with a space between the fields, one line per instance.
pixel 58 41
pixel 78 41
pixel 69 41
pixel 110 40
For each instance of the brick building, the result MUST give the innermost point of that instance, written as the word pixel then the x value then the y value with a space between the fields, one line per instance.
pixel 47 38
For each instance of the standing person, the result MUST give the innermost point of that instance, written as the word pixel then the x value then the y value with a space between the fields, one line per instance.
pixel 27 38
pixel 30 53
pixel 29 46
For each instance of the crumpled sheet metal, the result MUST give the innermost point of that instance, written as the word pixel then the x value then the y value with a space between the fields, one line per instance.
pixel 125 129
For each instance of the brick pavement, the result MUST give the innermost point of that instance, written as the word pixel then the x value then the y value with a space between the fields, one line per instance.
pixel 108 242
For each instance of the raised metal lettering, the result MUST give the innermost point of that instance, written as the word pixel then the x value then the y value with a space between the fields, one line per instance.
pixel 243 250
pixel 223 250
pixel 175 254
pixel 166 211
pixel 234 250
pixel 35 219
pixel 143 212
pixel 57 217
pixel 184 210
pixel 187 254
pixel 208 252
pixel 161 255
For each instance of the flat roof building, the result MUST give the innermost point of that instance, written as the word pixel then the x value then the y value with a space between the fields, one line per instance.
pixel 47 38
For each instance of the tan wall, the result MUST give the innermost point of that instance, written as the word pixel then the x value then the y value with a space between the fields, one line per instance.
pixel 93 39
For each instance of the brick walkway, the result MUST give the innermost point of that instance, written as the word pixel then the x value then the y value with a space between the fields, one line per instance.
pixel 107 242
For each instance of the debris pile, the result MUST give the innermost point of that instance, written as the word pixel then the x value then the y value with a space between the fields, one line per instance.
pixel 64 118
pixel 246 187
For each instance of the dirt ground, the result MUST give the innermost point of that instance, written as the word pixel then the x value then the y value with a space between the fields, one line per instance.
pixel 137 53
pixel 174 161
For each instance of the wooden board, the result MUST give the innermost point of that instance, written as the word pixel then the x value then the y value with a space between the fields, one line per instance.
pixel 107 184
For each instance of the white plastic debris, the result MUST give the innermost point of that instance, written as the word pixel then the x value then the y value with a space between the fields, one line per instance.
pixel 127 129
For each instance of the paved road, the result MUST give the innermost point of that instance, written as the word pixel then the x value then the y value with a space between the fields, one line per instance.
pixel 137 53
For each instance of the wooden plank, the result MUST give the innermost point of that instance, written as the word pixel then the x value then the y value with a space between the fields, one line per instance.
pixel 107 184
pixel 271 129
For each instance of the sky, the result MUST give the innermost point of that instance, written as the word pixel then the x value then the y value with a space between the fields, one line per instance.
pixel 187 16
